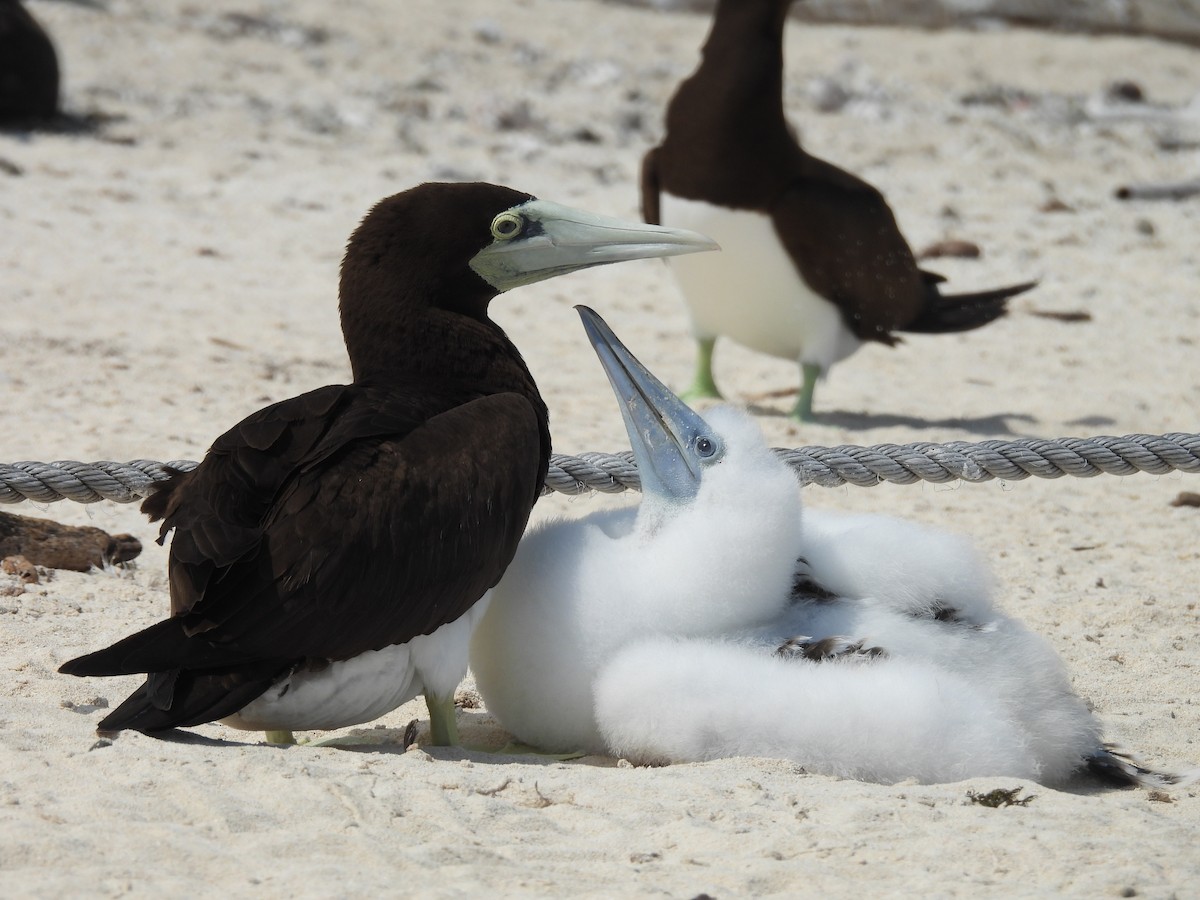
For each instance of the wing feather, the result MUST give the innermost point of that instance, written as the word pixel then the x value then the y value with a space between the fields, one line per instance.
pixel 879 287
pixel 327 537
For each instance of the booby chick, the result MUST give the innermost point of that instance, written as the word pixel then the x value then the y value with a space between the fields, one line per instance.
pixel 813 262
pixel 331 550
pixel 716 620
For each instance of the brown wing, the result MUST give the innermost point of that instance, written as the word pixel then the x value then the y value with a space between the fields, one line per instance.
pixel 388 523
pixel 872 275
pixel 217 511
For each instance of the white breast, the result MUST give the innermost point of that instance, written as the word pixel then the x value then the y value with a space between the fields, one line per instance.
pixel 367 686
pixel 751 291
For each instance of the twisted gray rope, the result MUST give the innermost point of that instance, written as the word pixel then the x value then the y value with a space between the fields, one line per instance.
pixel 613 473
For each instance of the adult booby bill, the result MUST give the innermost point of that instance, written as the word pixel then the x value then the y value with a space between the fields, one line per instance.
pixel 813 263
pixel 331 550
pixel 687 628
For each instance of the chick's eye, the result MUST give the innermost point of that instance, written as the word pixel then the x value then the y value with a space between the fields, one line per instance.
pixel 705 447
pixel 507 226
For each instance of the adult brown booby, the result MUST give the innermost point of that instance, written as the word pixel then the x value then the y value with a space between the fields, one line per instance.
pixel 331 550
pixel 812 263
pixel 28 67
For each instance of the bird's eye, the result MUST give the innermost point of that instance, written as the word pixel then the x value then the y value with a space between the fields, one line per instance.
pixel 705 447
pixel 507 226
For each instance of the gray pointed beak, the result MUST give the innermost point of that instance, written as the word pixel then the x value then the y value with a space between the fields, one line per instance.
pixel 553 240
pixel 671 443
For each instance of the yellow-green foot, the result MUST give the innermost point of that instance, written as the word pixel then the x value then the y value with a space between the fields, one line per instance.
pixel 519 748
pixel 279 737
pixel 703 386
pixel 351 740
pixel 803 410
pixel 443 728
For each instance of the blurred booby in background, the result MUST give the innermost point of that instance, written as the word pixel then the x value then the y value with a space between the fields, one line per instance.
pixel 814 263
pixel 28 68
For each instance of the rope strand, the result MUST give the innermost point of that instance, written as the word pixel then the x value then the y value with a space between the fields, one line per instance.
pixel 612 473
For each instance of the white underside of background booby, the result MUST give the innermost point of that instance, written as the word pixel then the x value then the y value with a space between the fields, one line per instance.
pixel 372 684
pixel 752 292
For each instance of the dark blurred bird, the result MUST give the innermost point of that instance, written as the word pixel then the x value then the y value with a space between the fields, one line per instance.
pixel 28 67
pixel 813 263
pixel 331 550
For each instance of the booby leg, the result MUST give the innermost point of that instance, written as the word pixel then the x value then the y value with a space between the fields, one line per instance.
pixel 279 737
pixel 443 727
pixel 443 731
pixel 809 373
pixel 703 386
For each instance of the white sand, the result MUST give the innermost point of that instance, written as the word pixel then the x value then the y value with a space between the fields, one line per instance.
pixel 157 289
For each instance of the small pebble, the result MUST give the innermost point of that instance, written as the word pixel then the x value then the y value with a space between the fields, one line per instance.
pixel 1125 91
pixel 487 31
pixel 828 95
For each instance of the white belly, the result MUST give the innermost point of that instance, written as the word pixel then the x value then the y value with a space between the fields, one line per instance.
pixel 368 686
pixel 751 291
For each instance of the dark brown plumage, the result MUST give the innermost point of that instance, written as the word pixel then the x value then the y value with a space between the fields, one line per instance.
pixel 355 516
pixel 728 144
pixel 28 67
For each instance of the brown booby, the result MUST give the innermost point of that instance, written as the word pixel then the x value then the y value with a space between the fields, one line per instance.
pixel 331 550
pixel 28 67
pixel 813 263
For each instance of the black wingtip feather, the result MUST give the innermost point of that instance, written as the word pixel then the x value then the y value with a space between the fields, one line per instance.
pixel 181 699
pixel 158 648
pixel 963 312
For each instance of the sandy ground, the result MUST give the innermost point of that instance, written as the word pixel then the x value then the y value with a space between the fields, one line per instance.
pixel 175 270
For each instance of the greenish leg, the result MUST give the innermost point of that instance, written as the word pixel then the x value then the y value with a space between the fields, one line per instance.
pixel 803 410
pixel 443 728
pixel 703 386
pixel 279 737
pixel 519 748
pixel 443 731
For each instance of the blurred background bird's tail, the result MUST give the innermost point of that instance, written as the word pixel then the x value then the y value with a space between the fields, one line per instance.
pixel 963 312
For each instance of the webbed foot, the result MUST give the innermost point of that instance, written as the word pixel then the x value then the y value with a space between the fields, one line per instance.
pixel 520 748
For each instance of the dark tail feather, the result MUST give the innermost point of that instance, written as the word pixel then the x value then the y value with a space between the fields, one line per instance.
pixel 1115 765
pixel 963 312
pixel 155 649
pixel 180 699
pixel 163 646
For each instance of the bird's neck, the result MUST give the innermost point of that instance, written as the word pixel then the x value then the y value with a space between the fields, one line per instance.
pixel 408 334
pixel 727 137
